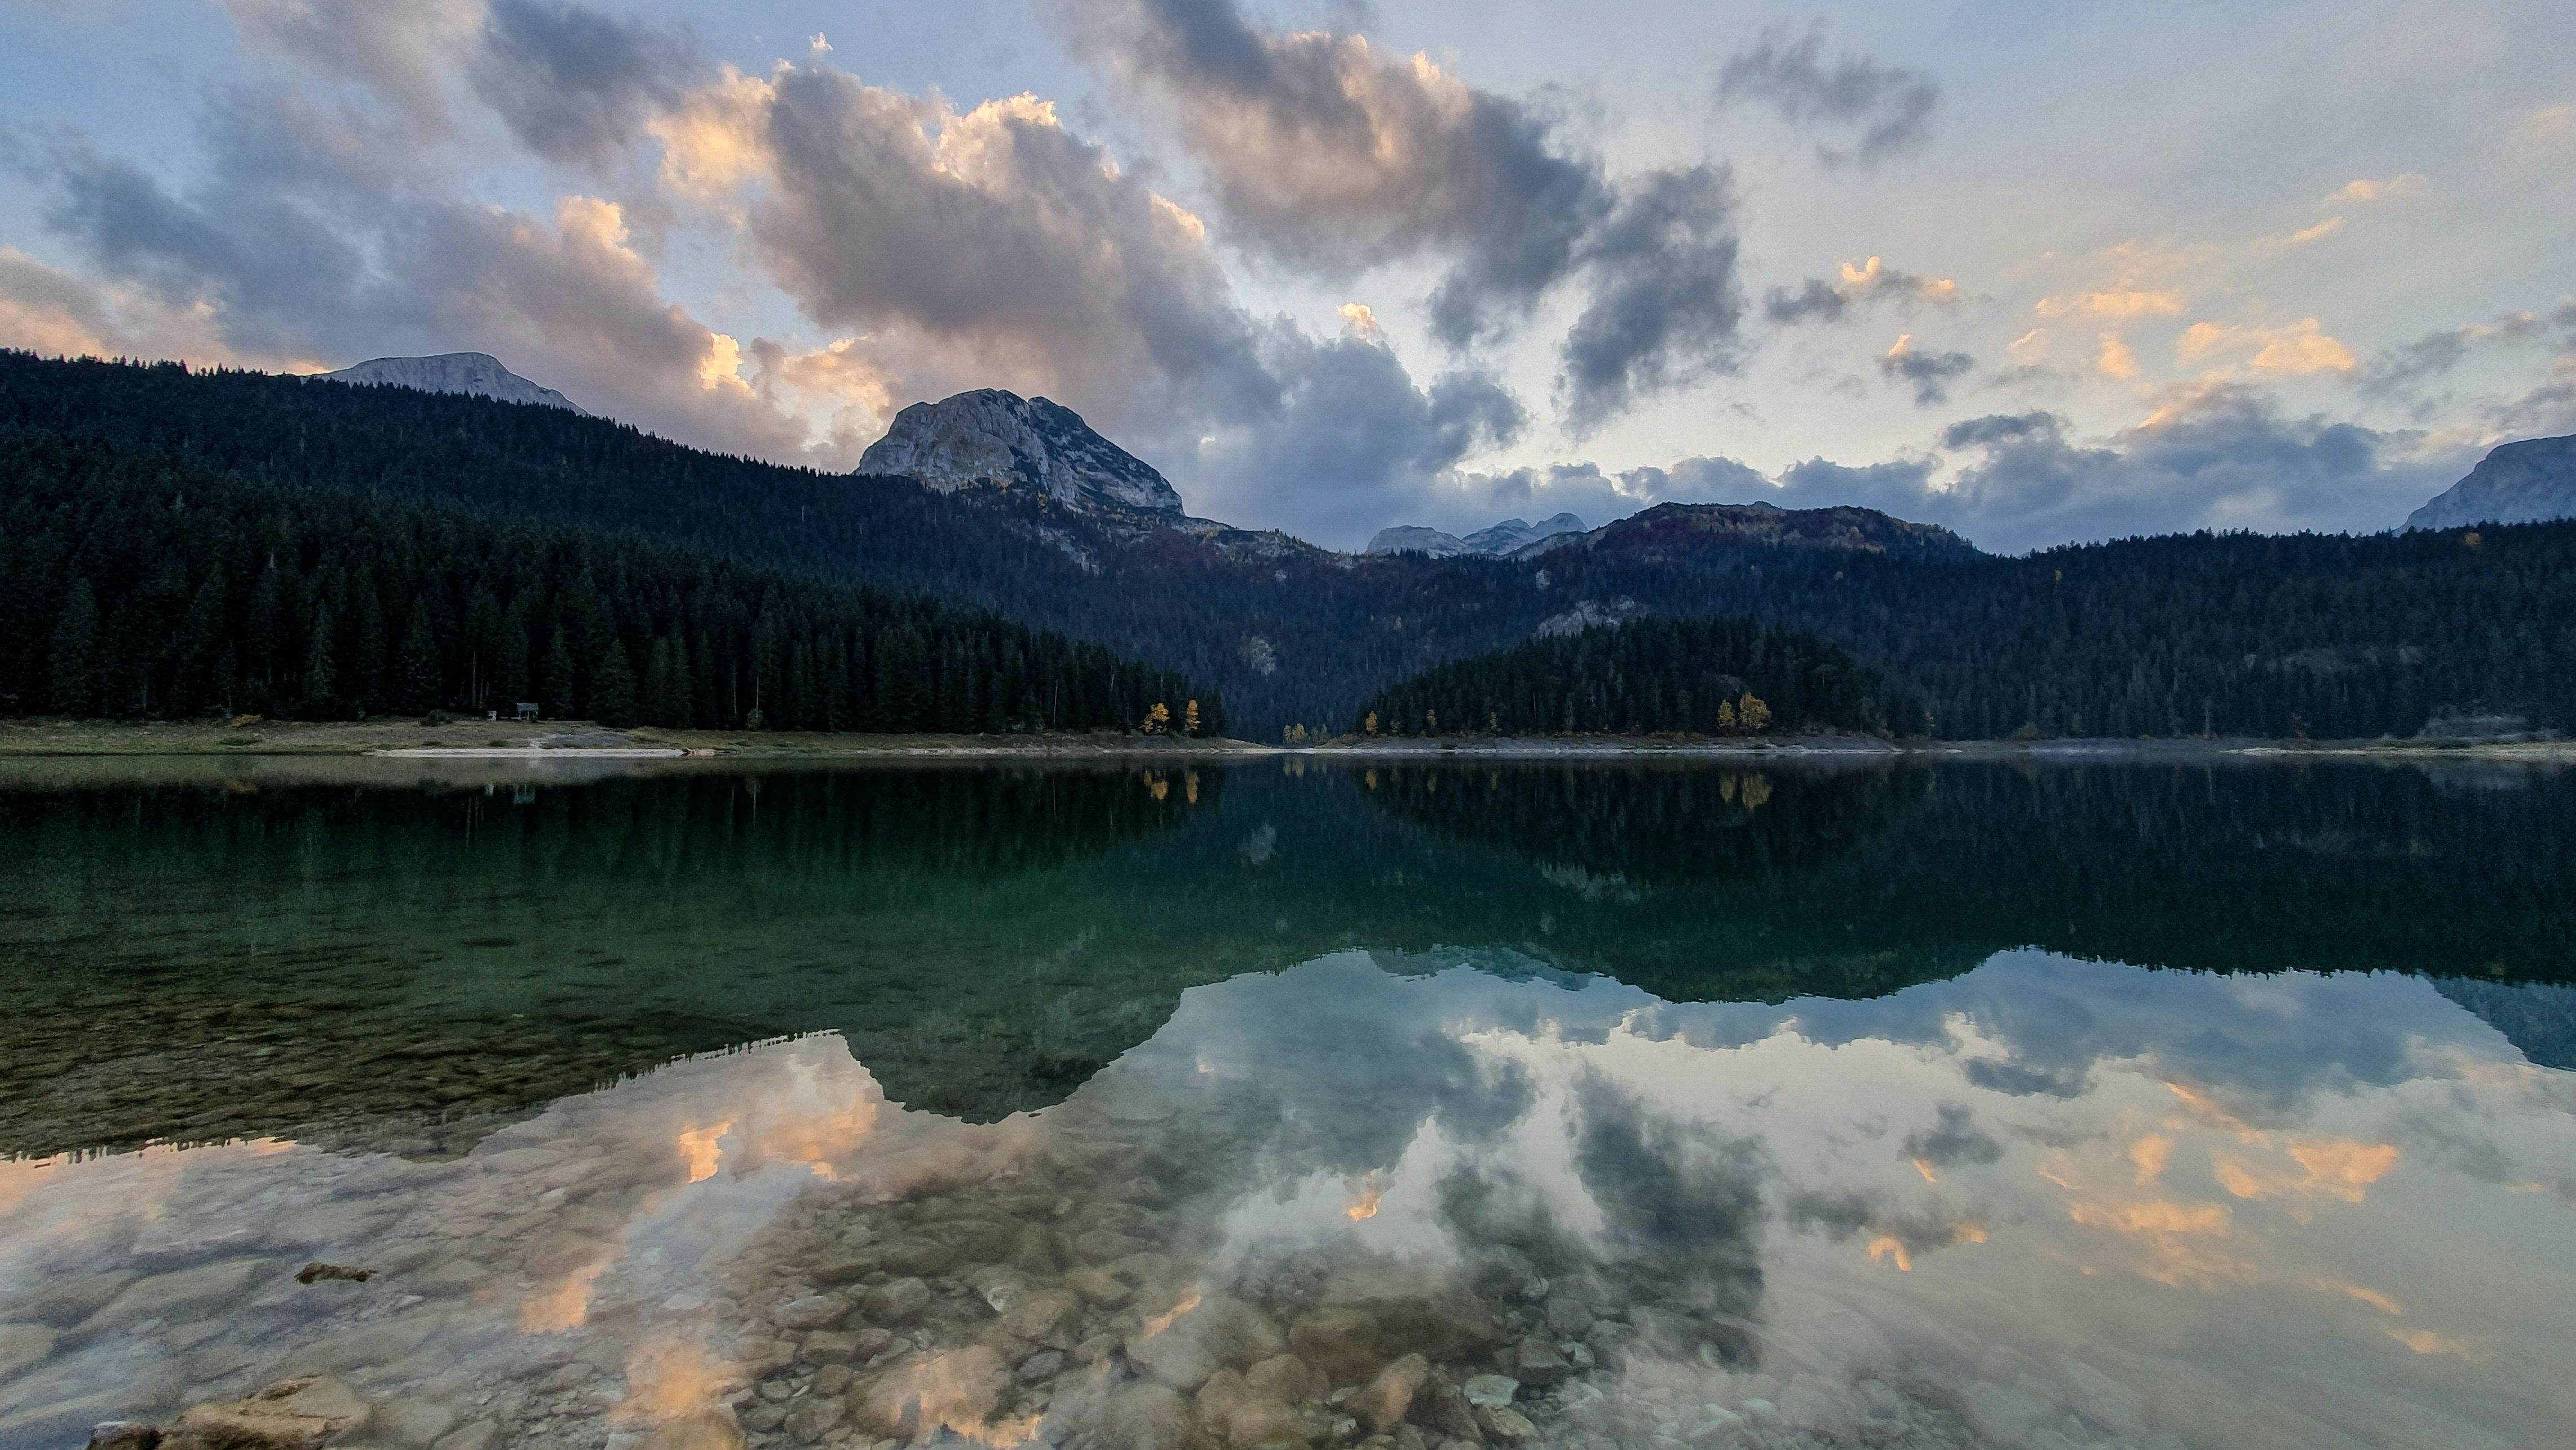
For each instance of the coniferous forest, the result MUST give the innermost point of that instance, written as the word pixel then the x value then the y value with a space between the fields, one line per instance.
pixel 2229 634
pixel 138 589
pixel 1690 676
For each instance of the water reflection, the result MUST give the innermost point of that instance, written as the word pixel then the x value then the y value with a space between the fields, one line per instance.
pixel 2048 1202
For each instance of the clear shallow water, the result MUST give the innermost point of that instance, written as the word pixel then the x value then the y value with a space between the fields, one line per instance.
pixel 2118 1105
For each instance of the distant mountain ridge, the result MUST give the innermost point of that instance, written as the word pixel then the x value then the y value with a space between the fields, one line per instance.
pixel 1673 529
pixel 994 437
pixel 2327 635
pixel 2529 482
pixel 478 374
pixel 1495 541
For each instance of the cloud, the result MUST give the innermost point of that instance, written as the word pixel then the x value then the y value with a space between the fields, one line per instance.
pixel 574 84
pixel 1665 304
pixel 394 49
pixel 294 247
pixel 1891 108
pixel 2300 348
pixel 1819 300
pixel 2405 369
pixel 2363 189
pixel 1329 155
pixel 2115 360
pixel 1929 372
pixel 2219 455
pixel 2118 303
pixel 1352 443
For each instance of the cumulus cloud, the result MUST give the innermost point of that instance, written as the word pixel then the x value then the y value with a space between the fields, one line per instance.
pixel 1328 154
pixel 1929 373
pixel 393 48
pixel 1351 442
pixel 1665 304
pixel 571 83
pixel 2219 456
pixel 1890 108
pixel 2289 351
pixel 1818 299
pixel 293 248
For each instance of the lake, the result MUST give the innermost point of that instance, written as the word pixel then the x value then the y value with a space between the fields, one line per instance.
pixel 2171 1104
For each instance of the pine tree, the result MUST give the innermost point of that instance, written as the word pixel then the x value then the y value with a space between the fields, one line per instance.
pixel 319 702
pixel 612 687
pixel 417 688
pixel 74 658
pixel 558 677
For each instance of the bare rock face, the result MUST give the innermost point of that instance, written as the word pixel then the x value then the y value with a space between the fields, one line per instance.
pixel 2517 483
pixel 993 438
pixel 480 374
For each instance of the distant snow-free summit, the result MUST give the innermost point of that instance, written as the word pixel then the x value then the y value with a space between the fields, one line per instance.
pixel 994 438
pixel 2517 483
pixel 477 373
pixel 1497 541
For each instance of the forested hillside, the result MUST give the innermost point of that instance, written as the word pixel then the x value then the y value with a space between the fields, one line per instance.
pixel 2226 634
pixel 139 589
pixel 1695 676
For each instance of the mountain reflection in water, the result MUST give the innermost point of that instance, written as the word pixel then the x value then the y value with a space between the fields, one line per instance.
pixel 2049 1202
pixel 1566 1107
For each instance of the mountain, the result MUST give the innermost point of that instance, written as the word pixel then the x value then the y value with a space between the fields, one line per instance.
pixel 474 373
pixel 992 438
pixel 1668 531
pixel 1494 542
pixel 2518 483
pixel 2333 636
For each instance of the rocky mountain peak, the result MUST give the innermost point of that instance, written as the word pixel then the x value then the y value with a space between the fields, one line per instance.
pixel 2516 483
pixel 1496 540
pixel 994 438
pixel 477 373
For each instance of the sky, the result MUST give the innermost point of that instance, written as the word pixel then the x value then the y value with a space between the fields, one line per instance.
pixel 2041 273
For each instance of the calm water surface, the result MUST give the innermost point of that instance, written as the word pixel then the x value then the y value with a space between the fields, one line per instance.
pixel 2136 1105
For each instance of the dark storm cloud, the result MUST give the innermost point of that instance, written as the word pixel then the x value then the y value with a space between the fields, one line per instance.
pixel 1890 108
pixel 1665 304
pixel 1929 373
pixel 1332 156
pixel 572 83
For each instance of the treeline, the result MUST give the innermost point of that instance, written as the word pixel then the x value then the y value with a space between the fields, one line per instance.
pixel 2224 634
pixel 137 589
pixel 1726 676
pixel 2228 634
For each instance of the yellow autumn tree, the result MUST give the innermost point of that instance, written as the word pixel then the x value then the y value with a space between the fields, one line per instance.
pixel 1430 722
pixel 1726 716
pixel 1752 713
pixel 1190 718
pixel 1158 719
pixel 1370 725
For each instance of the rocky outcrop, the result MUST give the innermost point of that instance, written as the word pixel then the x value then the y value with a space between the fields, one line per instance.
pixel 2517 483
pixel 1496 540
pixel 479 374
pixel 992 438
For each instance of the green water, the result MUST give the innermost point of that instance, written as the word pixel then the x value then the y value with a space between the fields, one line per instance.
pixel 1884 1104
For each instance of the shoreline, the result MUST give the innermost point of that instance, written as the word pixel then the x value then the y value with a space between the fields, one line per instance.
pixel 569 742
